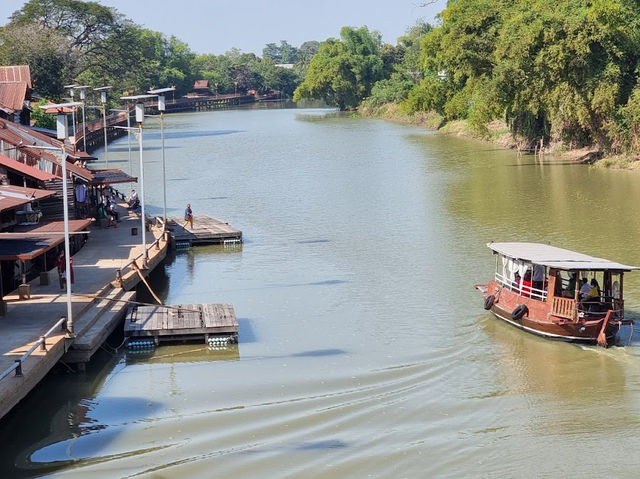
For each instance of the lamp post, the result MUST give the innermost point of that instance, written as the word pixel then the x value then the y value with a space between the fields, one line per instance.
pixel 63 134
pixel 161 109
pixel 82 89
pixel 73 111
pixel 128 133
pixel 236 87
pixel 103 100
pixel 140 120
pixel 216 84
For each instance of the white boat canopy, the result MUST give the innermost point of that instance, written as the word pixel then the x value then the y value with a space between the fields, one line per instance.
pixel 554 257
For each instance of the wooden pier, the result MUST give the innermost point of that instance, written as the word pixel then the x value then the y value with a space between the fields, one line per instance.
pixel 206 230
pixel 181 322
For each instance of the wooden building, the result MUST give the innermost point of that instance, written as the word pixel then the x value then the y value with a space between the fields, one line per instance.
pixel 15 93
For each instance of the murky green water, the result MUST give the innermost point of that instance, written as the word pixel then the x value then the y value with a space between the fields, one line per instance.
pixel 364 349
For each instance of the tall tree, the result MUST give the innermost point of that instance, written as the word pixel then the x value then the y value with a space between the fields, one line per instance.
pixel 343 71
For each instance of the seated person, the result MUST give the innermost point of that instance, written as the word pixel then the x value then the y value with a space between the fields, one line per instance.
pixel 557 287
pixel 571 286
pixel 133 200
pixel 103 214
pixel 585 288
pixel 111 208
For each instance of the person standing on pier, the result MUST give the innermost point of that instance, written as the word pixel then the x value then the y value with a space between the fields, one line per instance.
pixel 188 216
pixel 60 263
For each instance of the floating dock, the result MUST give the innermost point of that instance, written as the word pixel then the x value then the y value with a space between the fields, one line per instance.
pixel 183 322
pixel 206 230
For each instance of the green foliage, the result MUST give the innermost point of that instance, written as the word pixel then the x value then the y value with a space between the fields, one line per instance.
pixel 391 90
pixel 565 73
pixel 284 53
pixel 41 118
pixel 69 41
pixel 44 50
pixel 428 95
pixel 343 72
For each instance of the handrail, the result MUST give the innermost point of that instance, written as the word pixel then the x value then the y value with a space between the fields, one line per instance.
pixel 130 264
pixel 17 365
pixel 535 293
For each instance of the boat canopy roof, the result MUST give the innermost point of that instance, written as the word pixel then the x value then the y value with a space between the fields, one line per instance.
pixel 558 258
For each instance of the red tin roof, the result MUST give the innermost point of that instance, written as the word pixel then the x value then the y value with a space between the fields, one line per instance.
pixel 16 73
pixel 25 169
pixel 12 196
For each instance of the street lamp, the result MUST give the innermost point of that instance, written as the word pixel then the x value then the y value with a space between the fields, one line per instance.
pixel 161 108
pixel 216 84
pixel 82 89
pixel 63 134
pixel 73 111
pixel 236 87
pixel 140 119
pixel 103 100
pixel 128 133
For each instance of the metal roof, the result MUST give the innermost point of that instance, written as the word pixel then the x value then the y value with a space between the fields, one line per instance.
pixel 29 242
pixel 13 95
pixel 11 196
pixel 26 169
pixel 554 257
pixel 15 73
pixel 107 177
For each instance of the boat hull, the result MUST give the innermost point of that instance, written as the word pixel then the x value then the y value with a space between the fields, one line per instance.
pixel 575 332
pixel 538 319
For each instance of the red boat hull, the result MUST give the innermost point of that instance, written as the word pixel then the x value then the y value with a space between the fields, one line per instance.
pixel 539 319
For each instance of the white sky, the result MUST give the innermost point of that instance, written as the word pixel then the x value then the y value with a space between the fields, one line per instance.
pixel 216 26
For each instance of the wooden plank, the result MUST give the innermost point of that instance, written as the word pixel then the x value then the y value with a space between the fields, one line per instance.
pixel 184 323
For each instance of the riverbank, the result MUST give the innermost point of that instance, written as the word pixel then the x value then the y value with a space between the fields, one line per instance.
pixel 498 133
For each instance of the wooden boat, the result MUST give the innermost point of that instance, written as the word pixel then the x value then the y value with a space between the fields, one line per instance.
pixel 540 288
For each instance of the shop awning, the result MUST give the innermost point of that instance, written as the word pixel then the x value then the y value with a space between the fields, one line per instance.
pixel 107 177
pixel 29 242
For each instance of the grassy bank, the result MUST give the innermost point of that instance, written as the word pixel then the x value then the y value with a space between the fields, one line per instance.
pixel 498 133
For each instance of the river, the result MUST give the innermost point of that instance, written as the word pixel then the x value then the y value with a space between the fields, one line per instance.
pixel 364 349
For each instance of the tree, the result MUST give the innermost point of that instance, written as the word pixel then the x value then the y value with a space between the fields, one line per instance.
pixel 45 51
pixel 343 72
pixel 272 51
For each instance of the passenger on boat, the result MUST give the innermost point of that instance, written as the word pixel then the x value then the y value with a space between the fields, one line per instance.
pixel 516 281
pixel 538 276
pixel 571 286
pixel 585 289
pixel 557 287
pixel 526 284
pixel 590 295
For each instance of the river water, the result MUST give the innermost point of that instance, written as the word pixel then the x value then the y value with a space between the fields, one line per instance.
pixel 364 349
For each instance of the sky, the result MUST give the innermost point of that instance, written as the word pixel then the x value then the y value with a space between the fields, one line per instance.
pixel 216 26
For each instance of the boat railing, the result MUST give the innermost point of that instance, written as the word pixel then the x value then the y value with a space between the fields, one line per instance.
pixel 522 290
pixel 602 305
pixel 563 307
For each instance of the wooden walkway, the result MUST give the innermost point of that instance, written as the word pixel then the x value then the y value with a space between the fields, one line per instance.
pixel 98 307
pixel 181 322
pixel 206 230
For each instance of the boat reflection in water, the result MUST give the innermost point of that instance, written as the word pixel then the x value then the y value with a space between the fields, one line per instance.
pixel 563 387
